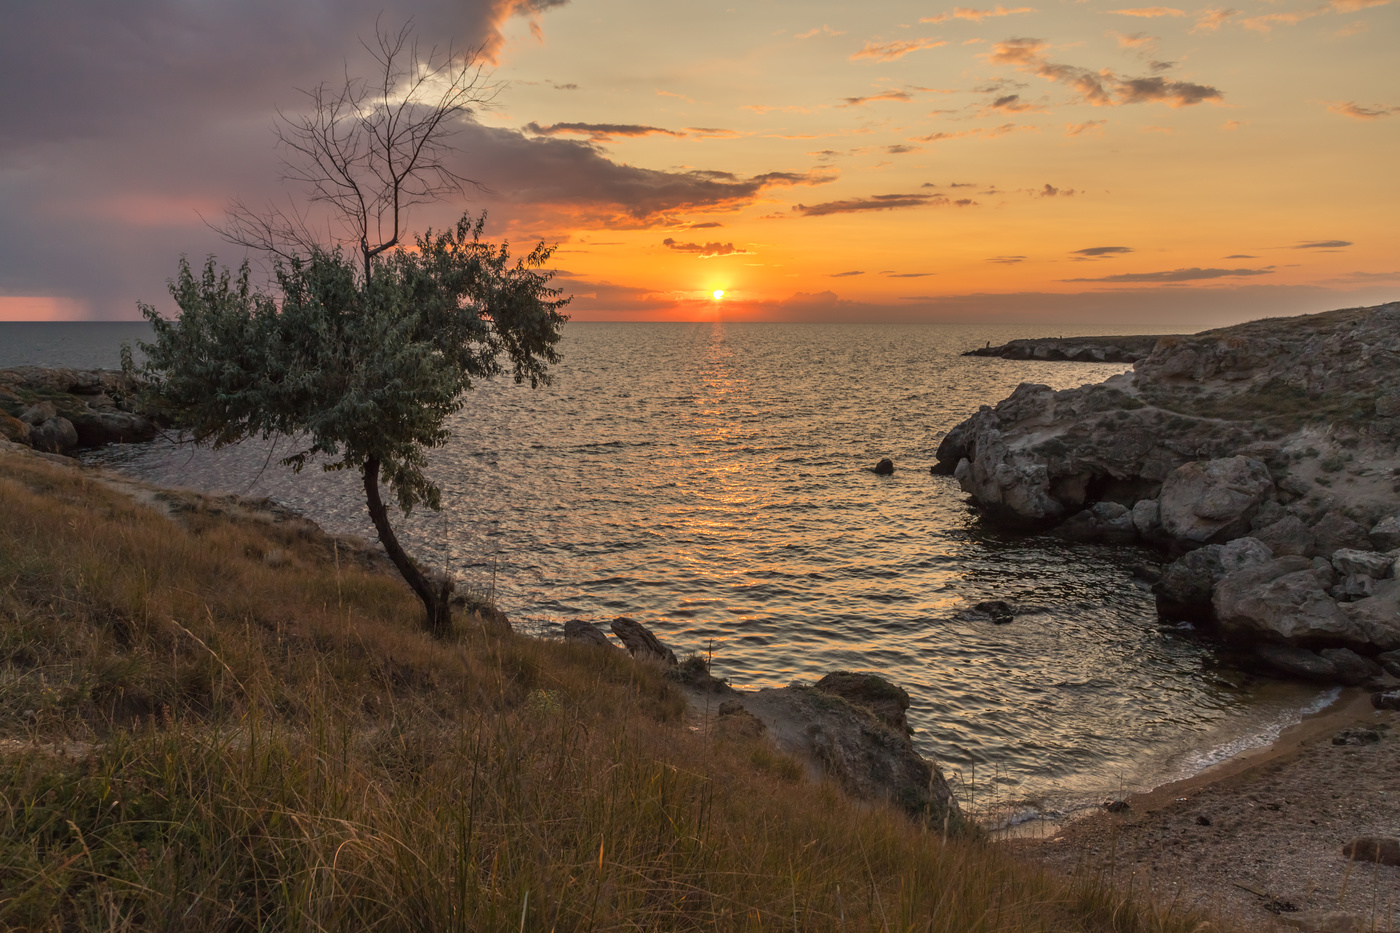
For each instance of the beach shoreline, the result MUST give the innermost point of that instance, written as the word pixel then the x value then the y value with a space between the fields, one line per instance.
pixel 1257 838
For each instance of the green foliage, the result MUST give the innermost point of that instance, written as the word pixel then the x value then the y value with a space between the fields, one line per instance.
pixel 354 367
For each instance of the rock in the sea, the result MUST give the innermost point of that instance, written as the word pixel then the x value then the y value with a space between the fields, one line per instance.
pixel 1108 522
pixel 884 468
pixel 1213 498
pixel 998 610
pixel 1282 600
pixel 1287 536
pixel 1382 849
pixel 1372 563
pixel 1184 590
pixel 583 632
pixel 637 639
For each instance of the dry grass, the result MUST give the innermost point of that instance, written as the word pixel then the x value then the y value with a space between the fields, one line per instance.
pixel 208 725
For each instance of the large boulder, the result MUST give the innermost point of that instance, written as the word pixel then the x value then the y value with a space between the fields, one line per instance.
pixel 1372 563
pixel 1282 600
pixel 1377 617
pixel 886 700
pixel 1287 536
pixel 1335 531
pixel 1213 499
pixel 1184 590
pixel 55 436
pixel 96 428
pixel 1385 534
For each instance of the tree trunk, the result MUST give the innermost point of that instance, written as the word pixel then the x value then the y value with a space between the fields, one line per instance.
pixel 437 601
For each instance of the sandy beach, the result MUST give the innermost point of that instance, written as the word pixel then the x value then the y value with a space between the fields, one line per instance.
pixel 1258 839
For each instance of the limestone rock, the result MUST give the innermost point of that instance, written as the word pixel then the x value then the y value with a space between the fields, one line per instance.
pixel 1103 521
pixel 12 429
pixel 1352 587
pixel 637 639
pixel 1298 663
pixel 583 632
pixel 1184 590
pixel 38 413
pixel 1373 564
pixel 1377 617
pixel 1147 517
pixel 1244 552
pixel 1390 660
pixel 1281 600
pixel 886 700
pixel 1205 499
pixel 1335 531
pixel 1352 669
pixel 1382 849
pixel 55 436
pixel 1385 534
pixel 1287 536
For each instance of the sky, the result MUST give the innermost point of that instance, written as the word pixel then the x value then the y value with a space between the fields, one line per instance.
pixel 1058 162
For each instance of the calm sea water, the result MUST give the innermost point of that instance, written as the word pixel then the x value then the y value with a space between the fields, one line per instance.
pixel 712 481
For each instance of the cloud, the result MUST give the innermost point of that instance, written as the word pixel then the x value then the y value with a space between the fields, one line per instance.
pixel 901 96
pixel 822 30
pixel 1151 12
pixel 907 275
pixel 1357 112
pixel 844 275
pixel 1007 260
pixel 980 133
pixel 892 51
pixel 706 250
pixel 710 132
pixel 878 202
pixel 1354 6
pixel 1138 40
pixel 1012 103
pixel 1241 256
pixel 1079 129
pixel 1325 244
pixel 1211 20
pixel 898 149
pixel 1050 191
pixel 599 132
pixel 975 16
pixel 704 226
pixel 1176 275
pixel 1096 252
pixel 1100 88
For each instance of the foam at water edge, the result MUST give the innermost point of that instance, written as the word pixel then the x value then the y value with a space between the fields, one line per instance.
pixel 1195 763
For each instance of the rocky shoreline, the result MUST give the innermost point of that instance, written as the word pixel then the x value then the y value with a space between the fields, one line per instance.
pixel 1127 349
pixel 1264 458
pixel 58 411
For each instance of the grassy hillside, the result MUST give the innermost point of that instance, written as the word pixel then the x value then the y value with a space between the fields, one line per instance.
pixel 219 721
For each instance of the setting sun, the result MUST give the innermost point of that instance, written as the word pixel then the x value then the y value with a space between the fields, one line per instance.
pixel 719 293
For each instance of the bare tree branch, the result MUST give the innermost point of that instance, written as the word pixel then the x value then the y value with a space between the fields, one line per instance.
pixel 369 150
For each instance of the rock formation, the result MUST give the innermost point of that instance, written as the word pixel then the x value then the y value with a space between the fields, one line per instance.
pixel 60 410
pixel 1264 457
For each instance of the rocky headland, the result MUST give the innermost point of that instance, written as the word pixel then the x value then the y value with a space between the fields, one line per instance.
pixel 58 411
pixel 1127 349
pixel 1263 458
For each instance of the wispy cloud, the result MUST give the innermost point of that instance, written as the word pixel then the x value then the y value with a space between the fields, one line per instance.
pixel 1100 252
pixel 1211 20
pixel 599 132
pixel 978 133
pixel 900 96
pixel 822 30
pixel 846 275
pixel 705 250
pixel 892 51
pixel 976 16
pixel 1100 88
pixel 878 202
pixel 1150 12
pixel 1007 260
pixel 1356 111
pixel 1012 103
pixel 1325 244
pixel 1088 126
pixel 1176 275
pixel 710 132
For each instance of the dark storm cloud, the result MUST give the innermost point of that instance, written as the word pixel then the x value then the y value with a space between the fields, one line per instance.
pixel 1177 275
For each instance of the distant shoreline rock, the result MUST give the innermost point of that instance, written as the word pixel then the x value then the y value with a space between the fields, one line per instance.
pixel 58 411
pixel 1127 349
pixel 1264 458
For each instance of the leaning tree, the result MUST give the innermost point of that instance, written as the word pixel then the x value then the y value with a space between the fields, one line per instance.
pixel 362 348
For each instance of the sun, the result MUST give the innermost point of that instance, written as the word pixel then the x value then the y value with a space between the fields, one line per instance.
pixel 719 293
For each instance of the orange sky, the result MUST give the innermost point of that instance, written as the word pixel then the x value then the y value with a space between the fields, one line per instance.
pixel 1070 161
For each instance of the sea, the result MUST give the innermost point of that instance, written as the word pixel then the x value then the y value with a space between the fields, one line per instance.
pixel 713 481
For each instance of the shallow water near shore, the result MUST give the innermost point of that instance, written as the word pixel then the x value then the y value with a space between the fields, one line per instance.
pixel 711 480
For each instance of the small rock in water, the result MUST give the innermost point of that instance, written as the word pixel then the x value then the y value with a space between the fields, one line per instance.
pixel 1000 611
pixel 884 468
